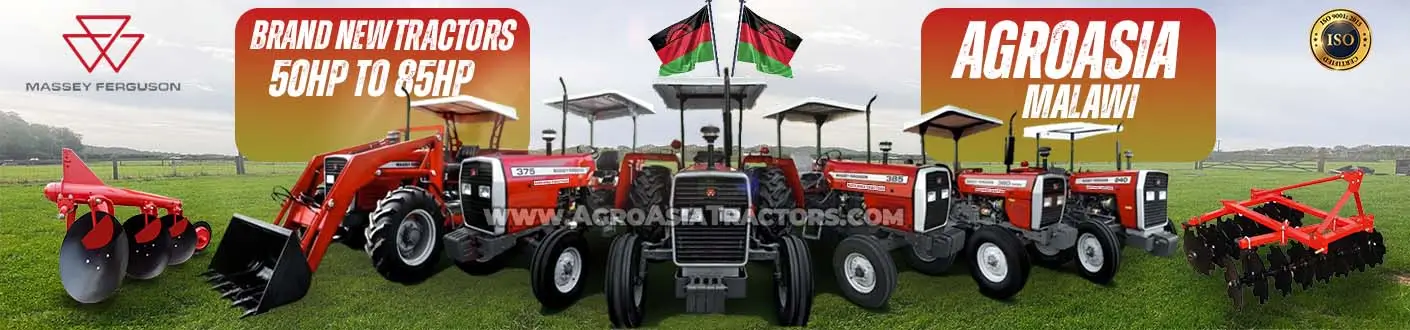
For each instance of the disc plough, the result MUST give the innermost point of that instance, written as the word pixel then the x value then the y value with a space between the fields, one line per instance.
pixel 1292 253
pixel 98 252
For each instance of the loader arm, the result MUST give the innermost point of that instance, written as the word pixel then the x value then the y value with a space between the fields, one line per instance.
pixel 361 170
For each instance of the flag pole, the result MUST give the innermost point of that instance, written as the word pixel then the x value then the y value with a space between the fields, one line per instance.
pixel 714 42
pixel 737 30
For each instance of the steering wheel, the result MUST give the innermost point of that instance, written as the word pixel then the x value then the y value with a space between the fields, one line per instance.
pixel 829 154
pixel 591 150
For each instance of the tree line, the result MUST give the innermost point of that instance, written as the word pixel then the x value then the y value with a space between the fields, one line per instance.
pixel 22 140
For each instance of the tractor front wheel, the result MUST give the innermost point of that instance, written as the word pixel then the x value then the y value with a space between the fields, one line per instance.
pixel 626 282
pixel 998 264
pixel 1098 251
pixel 865 271
pixel 1050 259
pixel 557 268
pixel 793 282
pixel 404 237
pixel 351 231
pixel 929 265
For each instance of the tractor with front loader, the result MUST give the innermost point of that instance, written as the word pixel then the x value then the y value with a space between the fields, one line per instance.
pixel 1297 253
pixel 424 197
pixel 1131 202
pixel 710 232
pixel 945 213
pixel 97 252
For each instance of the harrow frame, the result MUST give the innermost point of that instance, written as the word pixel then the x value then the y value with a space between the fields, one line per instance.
pixel 1316 237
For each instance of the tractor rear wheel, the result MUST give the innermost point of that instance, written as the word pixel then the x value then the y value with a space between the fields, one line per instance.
pixel 1050 259
pixel 1098 251
pixel 998 264
pixel 404 237
pixel 626 282
pixel 650 191
pixel 865 272
pixel 775 199
pixel 557 269
pixel 931 265
pixel 350 232
pixel 793 282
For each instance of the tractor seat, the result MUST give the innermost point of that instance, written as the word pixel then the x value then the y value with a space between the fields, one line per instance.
pixel 704 156
pixel 608 161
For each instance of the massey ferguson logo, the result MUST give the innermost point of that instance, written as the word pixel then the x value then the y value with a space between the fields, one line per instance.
pixel 709 192
pixel 106 39
pixel 103 41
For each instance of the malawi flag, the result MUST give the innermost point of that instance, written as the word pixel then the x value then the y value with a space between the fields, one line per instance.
pixel 769 46
pixel 687 42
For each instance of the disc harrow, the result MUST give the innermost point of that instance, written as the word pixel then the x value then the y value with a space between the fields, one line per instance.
pixel 98 252
pixel 1263 246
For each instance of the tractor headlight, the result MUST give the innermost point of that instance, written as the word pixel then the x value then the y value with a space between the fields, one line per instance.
pixel 329 179
pixel 1150 195
pixel 467 189
pixel 485 191
pixel 1047 201
pixel 1161 195
pixel 1059 199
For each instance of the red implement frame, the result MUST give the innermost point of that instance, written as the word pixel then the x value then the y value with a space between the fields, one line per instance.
pixel 1316 237
pixel 80 186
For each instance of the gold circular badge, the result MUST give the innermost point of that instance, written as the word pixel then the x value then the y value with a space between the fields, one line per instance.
pixel 1341 39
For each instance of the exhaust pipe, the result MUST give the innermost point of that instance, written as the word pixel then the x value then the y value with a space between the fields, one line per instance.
pixel 259 266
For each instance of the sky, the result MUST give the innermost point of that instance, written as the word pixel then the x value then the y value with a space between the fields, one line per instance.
pixel 1271 92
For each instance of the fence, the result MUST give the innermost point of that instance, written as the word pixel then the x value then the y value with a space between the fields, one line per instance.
pixel 42 171
pixel 1316 163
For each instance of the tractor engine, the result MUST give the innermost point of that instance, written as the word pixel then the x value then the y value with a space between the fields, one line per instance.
pixel 711 236
pixel 1030 201
pixel 1135 199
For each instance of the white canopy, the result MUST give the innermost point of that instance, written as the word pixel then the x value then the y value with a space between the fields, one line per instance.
pixel 603 105
pixel 805 110
pixel 465 108
pixel 952 122
pixel 1070 130
pixel 708 93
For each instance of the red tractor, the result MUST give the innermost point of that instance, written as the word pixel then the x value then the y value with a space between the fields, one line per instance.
pixel 424 197
pixel 937 214
pixel 702 221
pixel 608 105
pixel 1131 202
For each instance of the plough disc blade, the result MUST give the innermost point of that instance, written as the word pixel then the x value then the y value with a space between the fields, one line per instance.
pixel 183 238
pixel 150 247
pixel 93 258
pixel 259 266
pixel 1303 267
pixel 1197 253
pixel 1254 275
pixel 1235 287
pixel 1378 248
pixel 1281 270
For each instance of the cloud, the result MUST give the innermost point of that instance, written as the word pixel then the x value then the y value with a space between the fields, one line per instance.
pixel 829 68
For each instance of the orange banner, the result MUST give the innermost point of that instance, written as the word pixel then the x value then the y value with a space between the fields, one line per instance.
pixel 1061 71
pixel 311 80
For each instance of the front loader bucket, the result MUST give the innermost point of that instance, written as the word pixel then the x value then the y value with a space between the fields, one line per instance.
pixel 258 266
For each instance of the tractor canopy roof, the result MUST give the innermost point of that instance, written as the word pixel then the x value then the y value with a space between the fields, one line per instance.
pixel 809 110
pixel 466 109
pixel 952 122
pixel 708 93
pixel 1071 130
pixel 603 105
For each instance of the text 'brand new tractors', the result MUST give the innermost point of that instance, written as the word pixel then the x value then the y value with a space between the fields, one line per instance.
pixel 98 252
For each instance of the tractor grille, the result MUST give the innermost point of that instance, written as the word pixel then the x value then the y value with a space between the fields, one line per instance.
pixel 711 241
pixel 1155 210
pixel 473 175
pixel 1053 187
pixel 332 167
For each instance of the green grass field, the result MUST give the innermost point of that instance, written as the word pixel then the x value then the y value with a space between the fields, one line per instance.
pixel 1149 293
